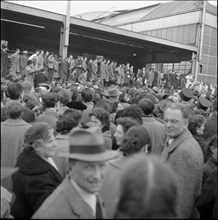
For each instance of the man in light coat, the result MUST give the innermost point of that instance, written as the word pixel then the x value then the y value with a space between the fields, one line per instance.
pixel 15 61
pixel 12 137
pixel 23 64
pixel 185 156
pixel 50 67
pixel 77 196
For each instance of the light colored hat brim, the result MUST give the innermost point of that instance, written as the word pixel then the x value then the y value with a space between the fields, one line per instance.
pixel 108 155
pixel 7 171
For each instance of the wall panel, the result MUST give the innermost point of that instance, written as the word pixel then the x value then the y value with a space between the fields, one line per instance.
pixel 175 34
pixel 186 34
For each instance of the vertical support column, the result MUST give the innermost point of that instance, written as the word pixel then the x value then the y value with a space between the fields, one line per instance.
pixel 61 43
pixel 64 33
pixel 200 45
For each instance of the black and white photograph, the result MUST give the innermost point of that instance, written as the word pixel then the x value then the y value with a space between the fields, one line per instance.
pixel 109 109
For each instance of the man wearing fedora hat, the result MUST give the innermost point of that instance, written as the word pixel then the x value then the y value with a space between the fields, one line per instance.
pixel 77 197
pixel 113 93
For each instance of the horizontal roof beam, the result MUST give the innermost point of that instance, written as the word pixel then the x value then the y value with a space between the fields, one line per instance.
pixel 87 24
pixel 32 11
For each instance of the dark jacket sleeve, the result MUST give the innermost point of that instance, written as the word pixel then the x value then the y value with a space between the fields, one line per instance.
pixel 38 188
pixel 208 198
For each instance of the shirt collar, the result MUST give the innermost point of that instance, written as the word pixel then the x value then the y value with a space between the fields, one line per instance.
pixel 89 198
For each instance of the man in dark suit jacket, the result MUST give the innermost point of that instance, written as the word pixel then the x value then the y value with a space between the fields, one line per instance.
pixel 14 92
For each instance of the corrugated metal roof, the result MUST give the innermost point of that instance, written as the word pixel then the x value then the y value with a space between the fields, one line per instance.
pixel 131 16
pixel 211 8
pixel 177 7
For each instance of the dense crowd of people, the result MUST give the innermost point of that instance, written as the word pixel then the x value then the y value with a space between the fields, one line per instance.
pixel 95 139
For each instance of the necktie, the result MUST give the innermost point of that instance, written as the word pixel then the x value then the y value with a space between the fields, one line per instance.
pixel 98 210
pixel 167 144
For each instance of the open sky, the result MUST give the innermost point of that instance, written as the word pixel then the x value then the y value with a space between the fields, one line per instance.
pixel 79 7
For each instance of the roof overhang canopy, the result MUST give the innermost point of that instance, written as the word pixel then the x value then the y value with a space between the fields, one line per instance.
pixel 85 36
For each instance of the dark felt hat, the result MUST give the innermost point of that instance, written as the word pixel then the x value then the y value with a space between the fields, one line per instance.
pixel 186 94
pixel 88 145
pixel 203 103
pixel 76 105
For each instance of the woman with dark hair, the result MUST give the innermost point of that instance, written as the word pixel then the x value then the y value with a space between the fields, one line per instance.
pixel 38 175
pixel 196 127
pixel 134 112
pixel 135 140
pixel 100 118
pixel 148 190
pixel 123 125
pixel 70 119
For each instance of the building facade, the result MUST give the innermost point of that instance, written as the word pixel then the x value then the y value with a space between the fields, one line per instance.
pixel 177 21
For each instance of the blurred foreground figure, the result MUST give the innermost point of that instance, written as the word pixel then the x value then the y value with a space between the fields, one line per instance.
pixel 6 196
pixel 149 190
pixel 77 196
pixel 135 140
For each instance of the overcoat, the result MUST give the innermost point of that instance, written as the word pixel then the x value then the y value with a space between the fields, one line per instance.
pixel 111 71
pixel 102 70
pixel 23 64
pixel 155 80
pixel 66 203
pixel 107 67
pixel 4 64
pixel 126 75
pixel 207 202
pixel 50 62
pixel 64 70
pixel 110 190
pixel 210 127
pixel 150 78
pixel 157 134
pixel 40 63
pixel 62 141
pixel 186 159
pixel 15 62
pixel 35 180
pixel 56 69
pixel 118 71
pixel 12 135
